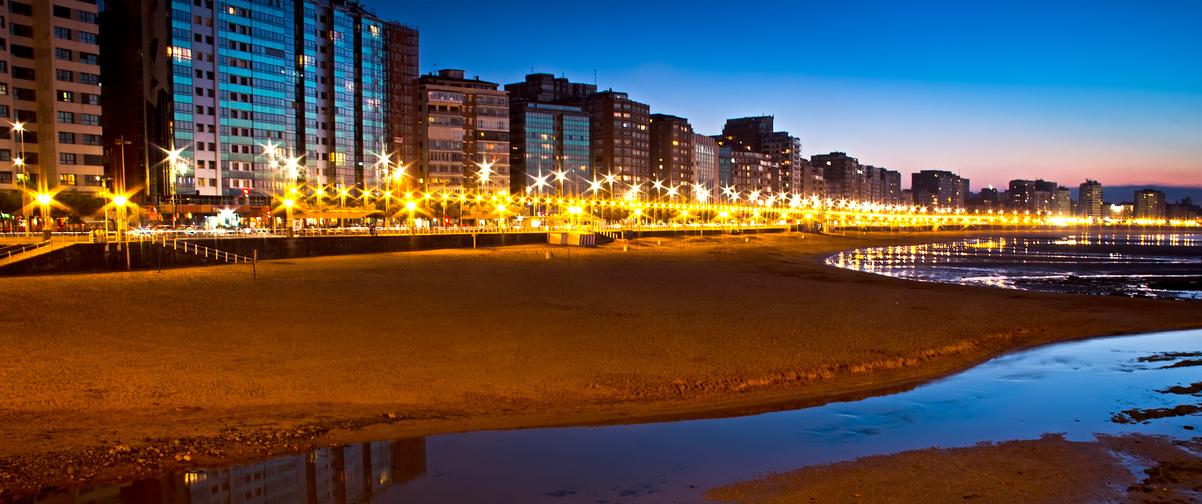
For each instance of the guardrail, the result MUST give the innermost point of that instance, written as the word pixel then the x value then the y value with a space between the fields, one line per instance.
pixel 202 251
pixel 21 249
pixel 160 235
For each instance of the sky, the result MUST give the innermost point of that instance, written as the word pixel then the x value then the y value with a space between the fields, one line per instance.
pixel 1058 90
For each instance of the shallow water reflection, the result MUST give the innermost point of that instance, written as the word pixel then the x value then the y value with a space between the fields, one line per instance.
pixel 1150 265
pixel 1072 388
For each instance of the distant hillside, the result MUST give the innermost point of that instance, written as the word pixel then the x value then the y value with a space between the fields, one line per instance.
pixel 1117 194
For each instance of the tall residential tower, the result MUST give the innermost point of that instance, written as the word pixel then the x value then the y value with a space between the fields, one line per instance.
pixel 231 84
pixel 50 86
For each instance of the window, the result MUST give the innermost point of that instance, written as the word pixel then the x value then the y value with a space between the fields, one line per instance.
pixel 90 139
pixel 66 96
pixel 66 178
pixel 89 58
pixel 67 158
pixel 66 137
pixel 90 99
pixel 66 118
pixel 6 177
pixel 21 30
pixel 62 12
pixel 3 89
pixel 21 51
pixel 3 110
pixel 26 94
pixel 89 78
pixel 86 17
pixel 24 73
pixel 63 33
pixel 64 75
pixel 3 67
pixel 89 119
pixel 87 37
pixel 62 54
pixel 23 9
pixel 27 116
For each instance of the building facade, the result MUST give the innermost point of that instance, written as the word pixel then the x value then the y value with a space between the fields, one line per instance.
pixel 549 137
pixel 1089 199
pixel 672 152
pixel 1150 204
pixel 1062 201
pixel 749 174
pixel 621 137
pixel 881 185
pixel 619 127
pixel 401 51
pixel 1032 195
pixel 938 189
pixel 50 97
pixel 843 175
pixel 796 175
pixel 464 133
pixel 236 87
pixel 705 167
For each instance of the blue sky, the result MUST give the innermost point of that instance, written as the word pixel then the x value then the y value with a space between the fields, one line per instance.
pixel 993 90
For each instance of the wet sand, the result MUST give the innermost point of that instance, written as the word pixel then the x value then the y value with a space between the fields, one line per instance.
pixel 1050 470
pixel 119 375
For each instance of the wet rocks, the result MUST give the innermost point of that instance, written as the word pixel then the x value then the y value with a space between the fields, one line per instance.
pixel 1133 416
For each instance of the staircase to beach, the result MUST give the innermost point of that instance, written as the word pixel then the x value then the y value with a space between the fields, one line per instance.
pixel 17 252
pixel 201 251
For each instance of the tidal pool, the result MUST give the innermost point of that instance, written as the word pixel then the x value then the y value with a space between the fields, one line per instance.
pixel 1135 264
pixel 1071 388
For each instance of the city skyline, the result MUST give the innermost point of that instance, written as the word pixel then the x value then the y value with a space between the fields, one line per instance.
pixel 1076 101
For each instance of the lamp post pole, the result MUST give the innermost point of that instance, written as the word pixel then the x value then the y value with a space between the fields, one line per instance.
pixel 19 127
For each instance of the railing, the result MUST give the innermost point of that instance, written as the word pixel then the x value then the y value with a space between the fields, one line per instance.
pixel 13 250
pixel 201 250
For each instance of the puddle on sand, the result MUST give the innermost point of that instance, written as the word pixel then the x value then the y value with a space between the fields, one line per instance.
pixel 1072 388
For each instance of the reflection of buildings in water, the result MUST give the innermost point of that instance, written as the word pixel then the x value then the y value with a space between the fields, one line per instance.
pixel 282 479
pixel 336 475
pixel 101 495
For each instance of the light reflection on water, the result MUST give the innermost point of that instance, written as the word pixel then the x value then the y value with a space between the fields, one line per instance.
pixel 1071 388
pixel 1151 265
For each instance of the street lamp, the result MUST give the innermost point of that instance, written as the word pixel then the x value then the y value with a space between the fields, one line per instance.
pixel 19 162
pixel 288 204
pixel 174 161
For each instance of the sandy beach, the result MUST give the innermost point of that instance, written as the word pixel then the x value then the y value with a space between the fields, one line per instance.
pixel 1050 470
pixel 214 366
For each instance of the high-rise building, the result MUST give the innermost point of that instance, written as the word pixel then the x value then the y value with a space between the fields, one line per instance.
pixel 619 127
pixel 1183 210
pixel 401 50
pixel 50 86
pixel 672 152
pixel 1150 204
pixel 1089 199
pixel 893 192
pixel 621 137
pixel 548 136
pixel 235 86
pixel 843 175
pixel 1033 195
pixel 882 185
pixel 937 188
pixel 705 166
pixel 464 132
pixel 987 199
pixel 749 173
pixel 796 176
pixel 1062 201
